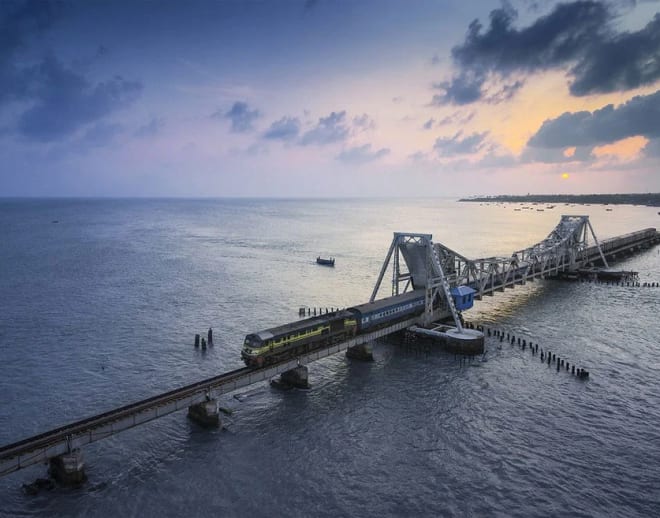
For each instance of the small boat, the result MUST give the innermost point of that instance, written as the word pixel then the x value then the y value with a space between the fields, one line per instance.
pixel 325 262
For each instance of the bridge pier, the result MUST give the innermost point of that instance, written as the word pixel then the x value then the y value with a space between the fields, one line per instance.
pixel 69 468
pixel 363 352
pixel 205 414
pixel 297 377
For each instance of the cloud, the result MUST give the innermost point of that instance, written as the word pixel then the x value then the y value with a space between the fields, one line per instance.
pixel 492 159
pixel 459 145
pixel 639 116
pixel 458 117
pixel 652 148
pixel 418 156
pixel 505 92
pixel 63 100
pixel 101 134
pixel 152 128
pixel 428 124
pixel 361 154
pixel 330 129
pixel 287 128
pixel 53 100
pixel 240 115
pixel 464 88
pixel 557 155
pixel 20 21
pixel 363 123
pixel 622 62
pixel 310 4
pixel 575 36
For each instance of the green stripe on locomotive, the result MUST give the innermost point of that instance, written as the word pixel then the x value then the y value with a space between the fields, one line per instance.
pixel 266 343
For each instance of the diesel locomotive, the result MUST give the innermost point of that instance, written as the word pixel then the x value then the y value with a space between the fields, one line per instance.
pixel 291 340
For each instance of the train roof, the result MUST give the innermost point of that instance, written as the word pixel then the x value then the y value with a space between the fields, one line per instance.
pixel 301 324
pixel 389 301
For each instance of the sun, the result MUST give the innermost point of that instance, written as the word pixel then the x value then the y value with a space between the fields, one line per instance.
pixel 564 176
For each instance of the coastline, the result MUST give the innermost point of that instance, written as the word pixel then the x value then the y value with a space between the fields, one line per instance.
pixel 648 199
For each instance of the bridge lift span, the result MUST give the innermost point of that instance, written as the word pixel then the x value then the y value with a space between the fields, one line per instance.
pixel 439 269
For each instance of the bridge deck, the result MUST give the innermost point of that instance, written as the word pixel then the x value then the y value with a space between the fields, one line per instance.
pixel 55 442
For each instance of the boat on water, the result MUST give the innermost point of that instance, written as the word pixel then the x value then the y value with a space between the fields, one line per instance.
pixel 325 262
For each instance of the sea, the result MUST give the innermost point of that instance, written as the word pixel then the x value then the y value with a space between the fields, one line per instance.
pixel 100 300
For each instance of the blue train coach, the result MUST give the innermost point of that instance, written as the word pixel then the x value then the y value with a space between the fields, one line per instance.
pixel 390 309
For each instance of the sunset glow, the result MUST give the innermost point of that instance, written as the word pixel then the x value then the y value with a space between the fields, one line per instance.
pixel 315 98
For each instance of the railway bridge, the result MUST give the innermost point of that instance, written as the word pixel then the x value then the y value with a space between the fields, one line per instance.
pixel 413 261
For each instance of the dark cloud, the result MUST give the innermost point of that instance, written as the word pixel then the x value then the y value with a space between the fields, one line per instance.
pixel 52 100
pixel 465 88
pixel 152 128
pixel 575 36
pixel 361 154
pixel 639 116
pixel 20 21
pixel 428 124
pixel 63 100
pixel 240 115
pixel 556 155
pixel 623 62
pixel 330 129
pixel 287 128
pixel 459 144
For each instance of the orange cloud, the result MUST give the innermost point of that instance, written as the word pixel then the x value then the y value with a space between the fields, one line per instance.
pixel 625 149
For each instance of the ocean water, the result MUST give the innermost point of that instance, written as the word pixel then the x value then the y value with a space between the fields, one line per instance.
pixel 100 300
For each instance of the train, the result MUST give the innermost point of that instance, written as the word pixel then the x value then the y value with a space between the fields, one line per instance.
pixel 291 340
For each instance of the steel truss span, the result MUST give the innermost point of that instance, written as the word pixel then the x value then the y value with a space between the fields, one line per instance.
pixel 437 268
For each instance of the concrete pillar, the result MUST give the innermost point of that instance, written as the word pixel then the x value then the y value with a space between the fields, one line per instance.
pixel 298 377
pixel 205 414
pixel 363 352
pixel 69 468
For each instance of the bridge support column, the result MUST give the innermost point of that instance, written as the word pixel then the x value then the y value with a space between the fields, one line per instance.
pixel 69 468
pixel 205 414
pixel 298 377
pixel 363 352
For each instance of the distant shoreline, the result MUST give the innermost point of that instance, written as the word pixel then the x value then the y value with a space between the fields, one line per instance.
pixel 649 199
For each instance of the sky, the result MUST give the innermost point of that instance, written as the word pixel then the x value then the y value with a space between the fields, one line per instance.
pixel 328 98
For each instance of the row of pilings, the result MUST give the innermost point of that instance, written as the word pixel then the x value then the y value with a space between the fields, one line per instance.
pixel 629 284
pixel 305 311
pixel 204 341
pixel 546 356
